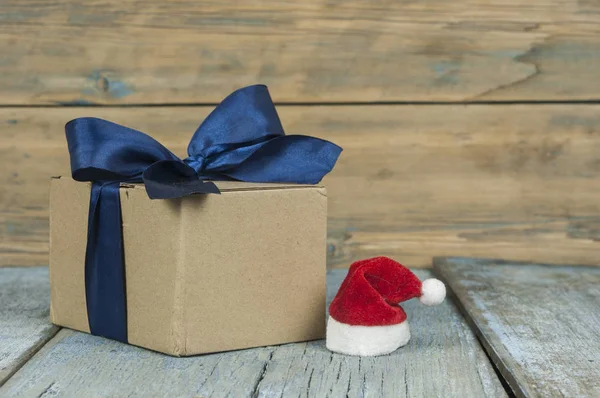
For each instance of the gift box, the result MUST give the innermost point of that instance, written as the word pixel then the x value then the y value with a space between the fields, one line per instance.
pixel 204 273
pixel 222 250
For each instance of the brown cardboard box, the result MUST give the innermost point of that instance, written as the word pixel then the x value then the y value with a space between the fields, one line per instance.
pixel 204 273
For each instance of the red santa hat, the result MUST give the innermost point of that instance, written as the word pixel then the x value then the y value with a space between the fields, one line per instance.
pixel 365 318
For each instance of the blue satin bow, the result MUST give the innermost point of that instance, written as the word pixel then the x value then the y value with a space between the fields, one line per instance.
pixel 242 139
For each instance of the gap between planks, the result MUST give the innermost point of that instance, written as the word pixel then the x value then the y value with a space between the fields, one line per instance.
pixel 312 104
pixel 29 354
pixel 537 322
pixel 24 323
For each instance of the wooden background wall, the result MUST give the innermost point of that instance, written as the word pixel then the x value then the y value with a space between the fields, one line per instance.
pixel 470 127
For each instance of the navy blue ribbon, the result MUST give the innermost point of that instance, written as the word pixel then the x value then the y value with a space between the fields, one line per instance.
pixel 242 139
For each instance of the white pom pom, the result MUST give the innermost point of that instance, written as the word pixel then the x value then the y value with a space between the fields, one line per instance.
pixel 433 292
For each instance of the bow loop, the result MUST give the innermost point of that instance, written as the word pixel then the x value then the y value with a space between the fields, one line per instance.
pixel 246 115
pixel 102 150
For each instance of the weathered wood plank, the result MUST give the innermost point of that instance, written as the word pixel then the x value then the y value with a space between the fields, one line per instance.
pixel 519 182
pixel 24 316
pixel 426 367
pixel 76 364
pixel 159 51
pixel 540 324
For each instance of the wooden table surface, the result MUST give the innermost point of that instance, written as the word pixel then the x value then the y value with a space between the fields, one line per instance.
pixel 540 324
pixel 535 353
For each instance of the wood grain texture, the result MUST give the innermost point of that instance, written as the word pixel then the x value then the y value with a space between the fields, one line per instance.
pixel 426 367
pixel 519 182
pixel 76 364
pixel 540 324
pixel 24 316
pixel 155 51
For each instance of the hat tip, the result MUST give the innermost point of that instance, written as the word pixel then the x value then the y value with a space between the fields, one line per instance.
pixel 433 292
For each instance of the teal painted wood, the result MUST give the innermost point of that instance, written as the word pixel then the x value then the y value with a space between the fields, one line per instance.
pixel 442 359
pixel 539 323
pixel 24 312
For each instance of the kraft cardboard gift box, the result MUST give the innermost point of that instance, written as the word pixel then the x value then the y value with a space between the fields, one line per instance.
pixel 204 273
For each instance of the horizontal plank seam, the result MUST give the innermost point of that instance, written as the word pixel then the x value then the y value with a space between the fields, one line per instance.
pixel 31 353
pixel 316 104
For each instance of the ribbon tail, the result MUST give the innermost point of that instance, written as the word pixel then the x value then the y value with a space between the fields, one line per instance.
pixel 104 264
pixel 292 158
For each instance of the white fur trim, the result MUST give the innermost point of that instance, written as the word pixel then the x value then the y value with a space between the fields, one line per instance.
pixel 433 292
pixel 366 340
